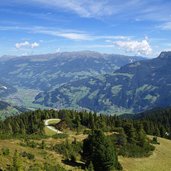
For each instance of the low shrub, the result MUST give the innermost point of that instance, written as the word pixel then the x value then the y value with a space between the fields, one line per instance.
pixel 28 155
pixel 133 150
pixel 5 151
pixel 154 140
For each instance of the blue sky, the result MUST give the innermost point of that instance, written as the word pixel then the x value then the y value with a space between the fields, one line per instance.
pixel 132 27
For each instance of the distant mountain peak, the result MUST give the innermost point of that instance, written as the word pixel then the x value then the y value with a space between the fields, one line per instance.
pixel 165 54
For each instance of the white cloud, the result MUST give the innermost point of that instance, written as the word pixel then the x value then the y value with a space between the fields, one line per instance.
pixel 165 26
pixel 83 8
pixel 26 44
pixel 34 45
pixel 75 34
pixel 116 37
pixel 138 47
pixel 65 34
pixel 22 44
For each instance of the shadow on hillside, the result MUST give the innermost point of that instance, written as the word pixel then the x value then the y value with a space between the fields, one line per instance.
pixel 74 164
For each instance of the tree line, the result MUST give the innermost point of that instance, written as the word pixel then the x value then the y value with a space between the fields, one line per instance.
pixel 156 122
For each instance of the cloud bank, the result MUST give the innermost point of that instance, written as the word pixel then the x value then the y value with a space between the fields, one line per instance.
pixel 138 47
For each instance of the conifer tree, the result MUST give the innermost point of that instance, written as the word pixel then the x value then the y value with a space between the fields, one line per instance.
pixel 130 132
pixel 121 138
pixel 99 150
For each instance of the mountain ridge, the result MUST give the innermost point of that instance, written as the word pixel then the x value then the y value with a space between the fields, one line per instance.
pixel 143 85
pixel 44 72
pixel 66 53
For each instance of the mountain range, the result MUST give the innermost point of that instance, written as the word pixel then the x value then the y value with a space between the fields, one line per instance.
pixel 51 70
pixel 135 87
pixel 105 83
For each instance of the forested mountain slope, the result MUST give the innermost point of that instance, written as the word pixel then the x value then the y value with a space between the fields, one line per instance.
pixel 6 89
pixel 7 110
pixel 51 70
pixel 134 87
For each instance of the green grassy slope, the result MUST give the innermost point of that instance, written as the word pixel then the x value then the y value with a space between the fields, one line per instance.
pixel 159 161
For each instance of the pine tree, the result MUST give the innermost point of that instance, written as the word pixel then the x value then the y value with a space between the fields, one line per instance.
pixel 130 132
pixel 99 150
pixel 121 138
